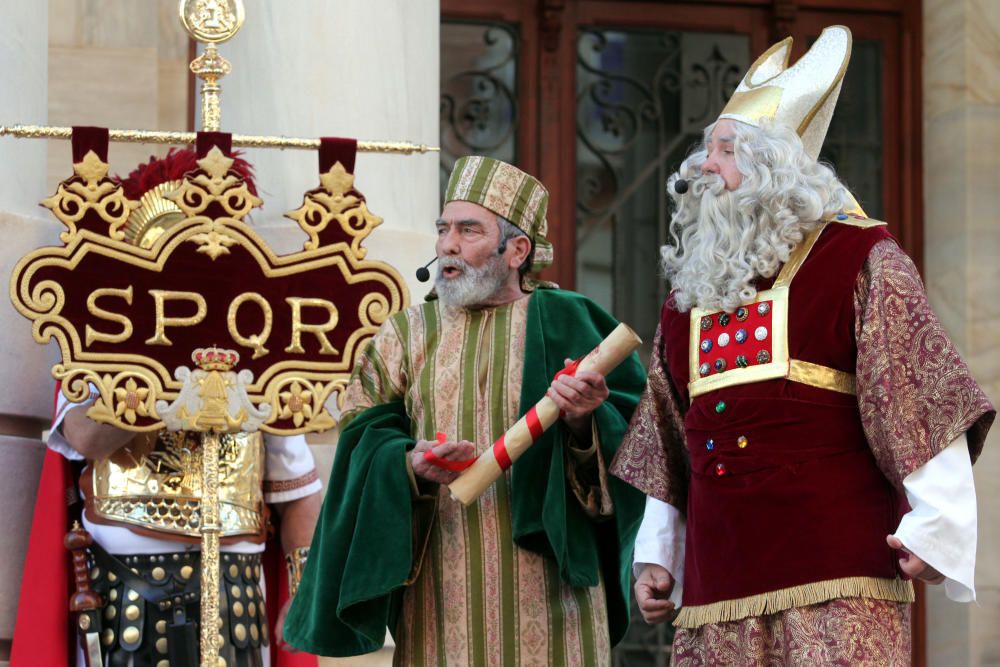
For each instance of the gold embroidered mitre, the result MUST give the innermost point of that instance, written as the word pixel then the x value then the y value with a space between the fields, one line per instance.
pixel 802 96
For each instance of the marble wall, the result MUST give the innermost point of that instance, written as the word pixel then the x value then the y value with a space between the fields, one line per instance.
pixel 962 228
pixel 23 99
pixel 115 63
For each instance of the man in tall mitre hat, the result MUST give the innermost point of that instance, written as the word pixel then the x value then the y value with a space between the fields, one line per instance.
pixel 537 570
pixel 140 496
pixel 806 439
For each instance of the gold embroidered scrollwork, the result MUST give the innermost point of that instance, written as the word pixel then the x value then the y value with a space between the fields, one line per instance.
pixel 44 303
pixel 90 189
pixel 374 309
pixel 303 400
pixel 120 399
pixel 334 200
pixel 215 183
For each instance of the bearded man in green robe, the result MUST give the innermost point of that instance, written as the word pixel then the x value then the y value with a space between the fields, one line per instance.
pixel 536 571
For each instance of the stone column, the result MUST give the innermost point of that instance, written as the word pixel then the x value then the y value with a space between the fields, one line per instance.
pixel 26 401
pixel 358 68
pixel 362 68
pixel 962 232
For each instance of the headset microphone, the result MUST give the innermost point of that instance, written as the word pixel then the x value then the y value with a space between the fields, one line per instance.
pixel 423 275
pixel 680 186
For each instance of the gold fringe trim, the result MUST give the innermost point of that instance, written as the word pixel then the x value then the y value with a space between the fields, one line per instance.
pixel 895 590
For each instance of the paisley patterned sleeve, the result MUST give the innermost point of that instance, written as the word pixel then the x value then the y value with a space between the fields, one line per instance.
pixel 379 374
pixel 915 393
pixel 653 455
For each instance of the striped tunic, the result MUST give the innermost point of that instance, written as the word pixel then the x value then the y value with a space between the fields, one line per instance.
pixel 478 598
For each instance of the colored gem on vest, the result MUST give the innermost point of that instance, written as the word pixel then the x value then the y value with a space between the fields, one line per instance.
pixel 742 442
pixel 742 361
pixel 724 319
pixel 720 469
pixel 720 364
pixel 763 308
pixel 720 407
pixel 706 345
pixel 723 339
pixel 742 313
pixel 710 445
pixel 706 323
pixel 704 369
pixel 760 333
pixel 741 335
pixel 841 216
pixel 763 357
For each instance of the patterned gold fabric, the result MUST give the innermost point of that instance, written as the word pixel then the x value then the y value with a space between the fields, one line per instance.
pixel 653 454
pixel 846 631
pixel 478 598
pixel 915 392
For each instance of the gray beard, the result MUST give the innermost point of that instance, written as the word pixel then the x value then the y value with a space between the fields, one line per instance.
pixel 715 270
pixel 727 248
pixel 477 286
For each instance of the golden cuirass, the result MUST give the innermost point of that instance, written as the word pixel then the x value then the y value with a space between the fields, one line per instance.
pixel 155 489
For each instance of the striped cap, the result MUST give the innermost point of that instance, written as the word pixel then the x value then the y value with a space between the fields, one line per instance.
pixel 507 191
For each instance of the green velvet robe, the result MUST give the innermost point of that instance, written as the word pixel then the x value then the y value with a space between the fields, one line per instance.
pixel 372 539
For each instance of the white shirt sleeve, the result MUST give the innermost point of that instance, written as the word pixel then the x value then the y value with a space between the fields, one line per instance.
pixel 660 541
pixel 941 529
pixel 289 469
pixel 57 441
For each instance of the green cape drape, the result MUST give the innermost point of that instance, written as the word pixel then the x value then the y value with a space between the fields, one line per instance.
pixel 363 548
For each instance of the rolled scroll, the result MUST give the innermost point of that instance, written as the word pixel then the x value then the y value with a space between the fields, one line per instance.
pixel 492 463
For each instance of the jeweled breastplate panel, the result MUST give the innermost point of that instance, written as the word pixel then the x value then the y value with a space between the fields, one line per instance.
pixel 747 345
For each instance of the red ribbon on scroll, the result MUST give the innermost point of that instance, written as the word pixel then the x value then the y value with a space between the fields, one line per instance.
pixel 446 464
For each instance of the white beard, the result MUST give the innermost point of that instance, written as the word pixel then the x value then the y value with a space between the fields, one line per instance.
pixel 730 242
pixel 477 286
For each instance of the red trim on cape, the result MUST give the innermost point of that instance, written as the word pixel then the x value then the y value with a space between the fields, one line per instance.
pixel 42 634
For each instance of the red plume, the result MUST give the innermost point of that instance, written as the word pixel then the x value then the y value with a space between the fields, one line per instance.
pixel 172 167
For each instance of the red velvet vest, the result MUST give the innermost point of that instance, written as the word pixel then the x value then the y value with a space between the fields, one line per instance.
pixel 784 489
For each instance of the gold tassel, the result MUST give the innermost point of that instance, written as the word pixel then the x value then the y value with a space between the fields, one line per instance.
pixel 895 590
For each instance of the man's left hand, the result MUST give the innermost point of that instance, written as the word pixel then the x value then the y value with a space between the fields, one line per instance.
pixel 578 396
pixel 279 629
pixel 913 566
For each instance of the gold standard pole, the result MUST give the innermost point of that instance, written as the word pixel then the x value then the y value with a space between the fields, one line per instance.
pixel 210 67
pixel 239 140
pixel 210 23
pixel 211 640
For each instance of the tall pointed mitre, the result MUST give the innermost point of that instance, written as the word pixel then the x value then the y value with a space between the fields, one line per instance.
pixel 802 96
